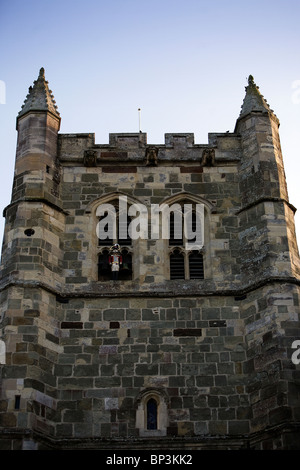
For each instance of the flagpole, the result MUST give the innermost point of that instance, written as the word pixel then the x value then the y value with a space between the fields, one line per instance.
pixel 139 110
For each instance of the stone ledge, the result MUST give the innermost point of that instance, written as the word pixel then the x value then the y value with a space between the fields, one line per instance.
pixel 113 289
pixel 202 442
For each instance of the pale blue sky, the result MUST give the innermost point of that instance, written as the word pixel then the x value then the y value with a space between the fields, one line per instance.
pixel 184 63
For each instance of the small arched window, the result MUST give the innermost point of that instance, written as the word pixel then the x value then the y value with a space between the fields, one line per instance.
pixel 151 414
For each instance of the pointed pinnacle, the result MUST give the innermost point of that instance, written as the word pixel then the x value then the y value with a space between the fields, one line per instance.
pixel 39 97
pixel 251 80
pixel 254 100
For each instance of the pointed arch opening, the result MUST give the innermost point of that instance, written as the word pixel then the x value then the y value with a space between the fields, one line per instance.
pixel 152 413
pixel 187 258
pixel 110 222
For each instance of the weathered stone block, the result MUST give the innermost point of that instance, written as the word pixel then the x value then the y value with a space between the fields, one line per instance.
pixel 114 314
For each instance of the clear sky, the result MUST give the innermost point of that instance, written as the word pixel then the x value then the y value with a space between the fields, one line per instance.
pixel 184 63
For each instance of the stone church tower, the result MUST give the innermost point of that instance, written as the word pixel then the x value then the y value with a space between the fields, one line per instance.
pixel 188 347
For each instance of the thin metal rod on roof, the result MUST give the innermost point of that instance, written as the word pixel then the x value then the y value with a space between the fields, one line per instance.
pixel 139 110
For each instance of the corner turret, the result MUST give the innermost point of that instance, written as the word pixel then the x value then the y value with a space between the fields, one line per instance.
pixel 38 124
pixel 268 240
pixel 262 168
pixel 35 202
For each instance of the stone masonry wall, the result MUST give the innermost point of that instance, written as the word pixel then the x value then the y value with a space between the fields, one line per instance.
pixel 179 176
pixel 80 365
pixel 84 355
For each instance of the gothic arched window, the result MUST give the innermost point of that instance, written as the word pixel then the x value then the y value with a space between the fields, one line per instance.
pixel 151 414
pixel 114 229
pixel 185 257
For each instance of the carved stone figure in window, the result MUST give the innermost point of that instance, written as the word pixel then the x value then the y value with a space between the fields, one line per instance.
pixel 105 272
pixel 115 260
pixel 114 243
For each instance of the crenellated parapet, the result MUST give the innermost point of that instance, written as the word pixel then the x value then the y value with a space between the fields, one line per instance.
pixel 130 147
